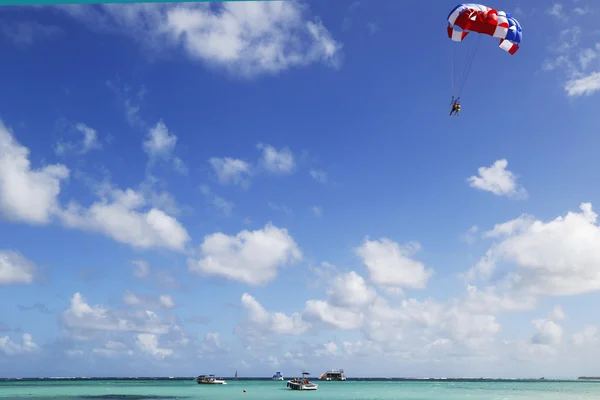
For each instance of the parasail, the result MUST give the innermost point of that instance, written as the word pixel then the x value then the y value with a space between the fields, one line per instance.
pixel 466 18
pixel 482 20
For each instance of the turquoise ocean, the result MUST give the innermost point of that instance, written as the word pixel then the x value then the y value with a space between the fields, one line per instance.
pixel 154 389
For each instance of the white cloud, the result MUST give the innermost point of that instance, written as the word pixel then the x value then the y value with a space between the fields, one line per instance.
pixel 318 175
pixel 574 53
pixel 498 180
pixel 559 257
pixel 390 264
pixel 148 302
pixel 26 194
pixel 548 332
pixel 416 326
pixel 226 207
pixel 160 142
pixel 338 317
pixel 148 343
pixel 83 320
pixel 246 39
pixel 15 269
pixel 142 269
pixel 587 336
pixel 272 322
pixel 252 38
pixel 516 225
pixel 585 85
pixel 118 216
pixel 277 161
pixel 252 257
pixel 231 170
pixel 491 300
pixel 350 290
pixel 10 348
pixel 348 295
pixel 88 142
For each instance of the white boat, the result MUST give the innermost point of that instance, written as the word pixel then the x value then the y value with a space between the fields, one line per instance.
pixel 277 376
pixel 333 375
pixel 209 380
pixel 302 384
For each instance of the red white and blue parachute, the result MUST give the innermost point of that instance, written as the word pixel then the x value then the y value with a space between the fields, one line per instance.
pixel 482 20
pixel 466 18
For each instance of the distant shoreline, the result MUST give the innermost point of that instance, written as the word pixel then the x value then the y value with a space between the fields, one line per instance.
pixel 268 379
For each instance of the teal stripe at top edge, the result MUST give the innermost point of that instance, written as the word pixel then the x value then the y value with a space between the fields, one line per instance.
pixel 44 2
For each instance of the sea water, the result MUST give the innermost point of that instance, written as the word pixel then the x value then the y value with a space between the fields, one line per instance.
pixel 277 390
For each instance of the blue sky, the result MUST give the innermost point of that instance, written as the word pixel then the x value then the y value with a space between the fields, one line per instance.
pixel 263 187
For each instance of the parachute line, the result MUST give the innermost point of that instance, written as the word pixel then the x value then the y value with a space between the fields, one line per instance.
pixel 473 47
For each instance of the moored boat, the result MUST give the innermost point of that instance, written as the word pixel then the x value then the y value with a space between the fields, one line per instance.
pixel 277 376
pixel 209 380
pixel 333 375
pixel 303 383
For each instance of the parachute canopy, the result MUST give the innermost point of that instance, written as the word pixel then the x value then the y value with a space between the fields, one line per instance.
pixel 467 18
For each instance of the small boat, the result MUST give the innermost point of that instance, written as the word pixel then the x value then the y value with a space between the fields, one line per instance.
pixel 277 376
pixel 302 384
pixel 235 378
pixel 209 380
pixel 333 375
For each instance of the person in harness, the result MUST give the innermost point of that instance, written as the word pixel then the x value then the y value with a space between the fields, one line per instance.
pixel 455 106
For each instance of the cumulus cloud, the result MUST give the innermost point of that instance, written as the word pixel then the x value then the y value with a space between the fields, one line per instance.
pixel 16 269
pixel 348 295
pixel 83 320
pixel 337 317
pixel 10 348
pixel 548 332
pixel 277 161
pixel 498 180
pixel 390 264
pixel 245 39
pixel 26 194
pixel 231 171
pixel 118 215
pixel 587 336
pixel 272 322
pixel 559 257
pixel 159 141
pixel 160 144
pixel 31 196
pixel 148 343
pixel 350 290
pixel 252 257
